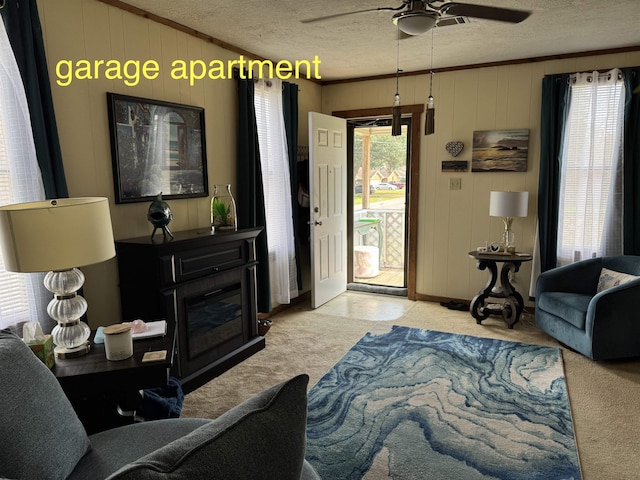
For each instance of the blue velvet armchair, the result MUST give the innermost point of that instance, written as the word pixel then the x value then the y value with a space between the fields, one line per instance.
pixel 600 325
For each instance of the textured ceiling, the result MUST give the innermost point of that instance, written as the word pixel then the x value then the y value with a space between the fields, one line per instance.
pixel 365 44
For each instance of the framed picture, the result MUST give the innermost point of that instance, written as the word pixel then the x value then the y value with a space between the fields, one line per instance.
pixel 500 151
pixel 156 147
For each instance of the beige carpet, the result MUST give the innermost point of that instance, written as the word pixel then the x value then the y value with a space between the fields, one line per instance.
pixel 604 396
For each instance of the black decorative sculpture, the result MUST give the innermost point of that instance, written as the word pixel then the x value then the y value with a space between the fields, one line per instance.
pixel 160 215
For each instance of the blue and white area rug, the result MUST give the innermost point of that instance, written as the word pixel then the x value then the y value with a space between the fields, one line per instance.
pixel 419 404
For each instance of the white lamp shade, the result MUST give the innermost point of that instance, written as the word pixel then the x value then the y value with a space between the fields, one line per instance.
pixel 415 22
pixel 509 204
pixel 56 234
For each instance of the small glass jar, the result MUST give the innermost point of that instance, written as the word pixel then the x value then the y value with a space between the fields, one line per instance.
pixel 223 210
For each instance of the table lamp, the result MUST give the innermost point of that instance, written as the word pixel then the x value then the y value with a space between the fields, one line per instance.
pixel 57 236
pixel 508 205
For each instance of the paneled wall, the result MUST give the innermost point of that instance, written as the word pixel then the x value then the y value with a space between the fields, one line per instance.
pixel 453 222
pixel 450 222
pixel 90 30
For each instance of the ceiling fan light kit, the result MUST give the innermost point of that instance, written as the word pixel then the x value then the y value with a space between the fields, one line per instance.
pixel 416 17
pixel 415 22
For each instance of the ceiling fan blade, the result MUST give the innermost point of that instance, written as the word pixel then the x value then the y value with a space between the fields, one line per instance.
pixel 336 15
pixel 481 11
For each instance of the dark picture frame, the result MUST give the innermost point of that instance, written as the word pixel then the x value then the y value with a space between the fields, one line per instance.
pixel 500 150
pixel 156 147
pixel 455 165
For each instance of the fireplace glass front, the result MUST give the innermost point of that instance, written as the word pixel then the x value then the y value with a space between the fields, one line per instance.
pixel 214 322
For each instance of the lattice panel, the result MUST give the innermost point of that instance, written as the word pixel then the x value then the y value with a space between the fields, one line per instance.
pixel 393 230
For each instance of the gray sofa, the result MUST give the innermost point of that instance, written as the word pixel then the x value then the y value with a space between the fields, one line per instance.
pixel 598 324
pixel 42 438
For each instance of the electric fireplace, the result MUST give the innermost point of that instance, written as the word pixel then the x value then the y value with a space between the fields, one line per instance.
pixel 205 284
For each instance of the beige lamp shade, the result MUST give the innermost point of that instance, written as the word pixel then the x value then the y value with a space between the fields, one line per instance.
pixel 56 234
pixel 509 204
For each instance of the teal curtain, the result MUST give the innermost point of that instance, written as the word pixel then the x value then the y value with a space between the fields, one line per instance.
pixel 555 96
pixel 632 162
pixel 25 34
pixel 290 112
pixel 250 195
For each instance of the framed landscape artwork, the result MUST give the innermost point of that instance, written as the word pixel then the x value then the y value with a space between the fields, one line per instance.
pixel 500 151
pixel 156 147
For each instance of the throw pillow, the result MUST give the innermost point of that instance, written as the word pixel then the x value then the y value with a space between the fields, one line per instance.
pixel 263 437
pixel 42 435
pixel 611 278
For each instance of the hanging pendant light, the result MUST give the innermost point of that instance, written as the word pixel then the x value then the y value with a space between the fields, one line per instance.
pixel 430 118
pixel 396 110
pixel 396 115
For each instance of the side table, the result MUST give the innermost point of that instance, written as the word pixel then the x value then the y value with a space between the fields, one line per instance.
pixel 96 386
pixel 513 304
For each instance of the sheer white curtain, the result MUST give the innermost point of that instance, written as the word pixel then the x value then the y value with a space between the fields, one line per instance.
pixel 274 160
pixel 22 296
pixel 591 209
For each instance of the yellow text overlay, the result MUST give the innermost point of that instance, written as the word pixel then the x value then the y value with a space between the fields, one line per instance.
pixel 131 72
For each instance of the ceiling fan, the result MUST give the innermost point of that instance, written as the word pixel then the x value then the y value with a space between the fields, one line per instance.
pixel 416 17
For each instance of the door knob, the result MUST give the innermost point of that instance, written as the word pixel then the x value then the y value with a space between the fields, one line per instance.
pixel 318 222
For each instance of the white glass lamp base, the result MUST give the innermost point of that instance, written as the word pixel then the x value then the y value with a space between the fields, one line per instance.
pixel 71 334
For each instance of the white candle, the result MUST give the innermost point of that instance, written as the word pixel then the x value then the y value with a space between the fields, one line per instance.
pixel 118 343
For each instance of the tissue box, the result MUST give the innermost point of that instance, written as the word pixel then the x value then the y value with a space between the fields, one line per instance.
pixel 44 350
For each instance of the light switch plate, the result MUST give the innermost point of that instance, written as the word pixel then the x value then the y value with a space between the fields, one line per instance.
pixel 455 184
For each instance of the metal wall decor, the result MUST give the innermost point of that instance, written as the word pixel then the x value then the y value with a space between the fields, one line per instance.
pixel 454 148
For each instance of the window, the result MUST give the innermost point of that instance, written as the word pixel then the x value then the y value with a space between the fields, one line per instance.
pixel 591 212
pixel 274 161
pixel 22 296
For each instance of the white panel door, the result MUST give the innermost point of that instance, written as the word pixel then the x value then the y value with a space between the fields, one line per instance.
pixel 328 197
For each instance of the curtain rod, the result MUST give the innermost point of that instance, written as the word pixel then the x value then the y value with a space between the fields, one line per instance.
pixel 601 75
